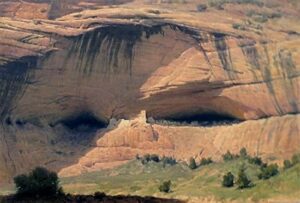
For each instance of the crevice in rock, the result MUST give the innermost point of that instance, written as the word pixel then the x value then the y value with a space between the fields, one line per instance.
pixel 199 119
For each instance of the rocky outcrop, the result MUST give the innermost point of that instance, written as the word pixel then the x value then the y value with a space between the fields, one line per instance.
pixel 49 9
pixel 63 81
pixel 126 139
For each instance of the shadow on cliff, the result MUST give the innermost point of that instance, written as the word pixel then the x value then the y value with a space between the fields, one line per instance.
pixel 108 51
pixel 35 137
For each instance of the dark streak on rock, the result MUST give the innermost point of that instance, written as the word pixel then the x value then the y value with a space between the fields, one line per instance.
pixel 224 53
pixel 267 77
pixel 111 47
pixel 288 69
pixel 14 78
pixel 251 54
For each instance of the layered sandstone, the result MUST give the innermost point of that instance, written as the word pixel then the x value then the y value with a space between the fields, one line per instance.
pixel 107 66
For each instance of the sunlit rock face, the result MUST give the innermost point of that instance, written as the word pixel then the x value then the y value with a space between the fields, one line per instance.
pixel 72 100
pixel 49 9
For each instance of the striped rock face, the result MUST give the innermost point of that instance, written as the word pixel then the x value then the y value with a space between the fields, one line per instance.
pixel 90 91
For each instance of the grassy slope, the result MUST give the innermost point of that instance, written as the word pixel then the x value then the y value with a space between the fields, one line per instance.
pixel 136 179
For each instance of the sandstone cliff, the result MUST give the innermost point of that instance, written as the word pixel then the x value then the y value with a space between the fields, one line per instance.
pixel 63 81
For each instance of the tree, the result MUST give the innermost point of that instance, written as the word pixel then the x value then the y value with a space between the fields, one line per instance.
pixel 168 160
pixel 228 180
pixel 192 163
pixel 145 159
pixel 268 171
pixel 165 186
pixel 205 161
pixel 154 157
pixel 243 153
pixel 296 159
pixel 255 160
pixel 39 183
pixel 287 164
pixel 201 7
pixel 228 156
pixel 243 181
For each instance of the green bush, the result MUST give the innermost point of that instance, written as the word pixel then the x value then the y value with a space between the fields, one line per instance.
pixel 238 26
pixel 201 7
pixel 205 161
pixel 255 160
pixel 243 153
pixel 260 18
pixel 99 195
pixel 165 186
pixel 192 163
pixel 228 180
pixel 228 156
pixel 168 160
pixel 296 159
pixel 268 171
pixel 267 15
pixel 39 183
pixel 218 3
pixel 154 157
pixel 243 181
pixel 147 158
pixel 287 164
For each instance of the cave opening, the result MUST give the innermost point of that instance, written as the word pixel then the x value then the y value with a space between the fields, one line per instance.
pixel 83 122
pixel 203 119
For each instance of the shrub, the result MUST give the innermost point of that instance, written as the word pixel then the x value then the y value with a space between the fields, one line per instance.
pixel 260 18
pixel 145 159
pixel 287 164
pixel 275 15
pixel 255 160
pixel 268 171
pixel 39 183
pixel 168 160
pixel 99 195
pixel 296 159
pixel 154 157
pixel 216 3
pixel 201 7
pixel 165 186
pixel 238 26
pixel 228 180
pixel 205 161
pixel 228 156
pixel 243 181
pixel 192 164
pixel 243 153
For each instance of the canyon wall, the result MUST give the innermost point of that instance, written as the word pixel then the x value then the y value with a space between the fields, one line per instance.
pixel 77 98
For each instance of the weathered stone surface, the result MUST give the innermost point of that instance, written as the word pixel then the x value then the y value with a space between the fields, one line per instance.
pixel 261 138
pixel 108 63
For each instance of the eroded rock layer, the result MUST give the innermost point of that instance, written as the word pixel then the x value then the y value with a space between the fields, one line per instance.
pixel 71 91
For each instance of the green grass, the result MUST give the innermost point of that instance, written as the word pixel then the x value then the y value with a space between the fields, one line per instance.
pixel 137 179
pixel 134 178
